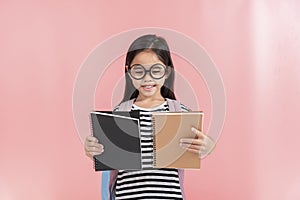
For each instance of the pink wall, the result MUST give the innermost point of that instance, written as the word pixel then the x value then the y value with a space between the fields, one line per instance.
pixel 254 44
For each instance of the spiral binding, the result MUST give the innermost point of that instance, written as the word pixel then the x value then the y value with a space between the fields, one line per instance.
pixel 91 128
pixel 154 142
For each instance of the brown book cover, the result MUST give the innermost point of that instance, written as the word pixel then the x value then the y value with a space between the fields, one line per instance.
pixel 168 129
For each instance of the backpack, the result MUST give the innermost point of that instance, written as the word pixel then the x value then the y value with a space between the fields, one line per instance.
pixel 109 178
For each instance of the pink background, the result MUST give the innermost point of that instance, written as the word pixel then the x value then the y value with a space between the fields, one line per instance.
pixel 255 45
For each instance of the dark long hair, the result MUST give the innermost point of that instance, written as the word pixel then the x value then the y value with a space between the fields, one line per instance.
pixel 159 46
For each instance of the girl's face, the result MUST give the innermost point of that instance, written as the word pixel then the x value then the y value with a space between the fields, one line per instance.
pixel 148 86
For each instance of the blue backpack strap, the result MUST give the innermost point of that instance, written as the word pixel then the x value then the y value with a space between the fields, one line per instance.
pixel 105 185
pixel 108 184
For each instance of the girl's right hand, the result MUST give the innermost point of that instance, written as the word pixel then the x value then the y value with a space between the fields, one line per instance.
pixel 92 147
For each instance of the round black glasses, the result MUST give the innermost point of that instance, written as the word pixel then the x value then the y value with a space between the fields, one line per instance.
pixel 138 72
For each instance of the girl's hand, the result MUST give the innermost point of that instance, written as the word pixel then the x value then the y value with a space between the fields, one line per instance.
pixel 203 145
pixel 92 147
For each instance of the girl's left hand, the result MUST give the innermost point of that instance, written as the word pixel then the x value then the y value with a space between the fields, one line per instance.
pixel 203 145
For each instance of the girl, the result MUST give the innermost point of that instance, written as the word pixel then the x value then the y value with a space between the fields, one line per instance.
pixel 149 73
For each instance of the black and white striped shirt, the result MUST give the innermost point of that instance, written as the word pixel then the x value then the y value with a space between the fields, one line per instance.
pixel 148 183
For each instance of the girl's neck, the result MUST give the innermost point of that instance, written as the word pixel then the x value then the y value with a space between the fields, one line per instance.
pixel 149 102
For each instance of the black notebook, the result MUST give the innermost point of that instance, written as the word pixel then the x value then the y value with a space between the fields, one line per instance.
pixel 119 132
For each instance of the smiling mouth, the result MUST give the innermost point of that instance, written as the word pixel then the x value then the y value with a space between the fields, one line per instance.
pixel 148 86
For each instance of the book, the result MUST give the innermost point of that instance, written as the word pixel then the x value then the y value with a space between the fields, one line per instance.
pixel 119 132
pixel 168 129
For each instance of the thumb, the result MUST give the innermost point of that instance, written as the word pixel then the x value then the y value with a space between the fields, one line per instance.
pixel 199 133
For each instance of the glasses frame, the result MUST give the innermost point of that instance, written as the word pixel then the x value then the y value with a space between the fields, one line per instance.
pixel 148 71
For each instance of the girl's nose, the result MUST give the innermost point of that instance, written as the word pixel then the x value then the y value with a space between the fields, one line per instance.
pixel 147 77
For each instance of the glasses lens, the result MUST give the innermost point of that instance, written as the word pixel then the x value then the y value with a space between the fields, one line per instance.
pixel 157 71
pixel 137 71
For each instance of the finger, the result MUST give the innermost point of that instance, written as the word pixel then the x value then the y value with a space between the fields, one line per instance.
pixel 94 144
pixel 199 152
pixel 193 150
pixel 199 133
pixel 95 149
pixel 91 138
pixel 96 152
pixel 192 141
pixel 196 147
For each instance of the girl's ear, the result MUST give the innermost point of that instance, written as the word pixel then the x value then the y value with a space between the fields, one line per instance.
pixel 126 68
pixel 169 70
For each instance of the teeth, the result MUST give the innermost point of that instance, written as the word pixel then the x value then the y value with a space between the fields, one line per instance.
pixel 148 86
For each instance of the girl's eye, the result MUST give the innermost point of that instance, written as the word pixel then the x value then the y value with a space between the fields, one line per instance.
pixel 139 72
pixel 156 71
